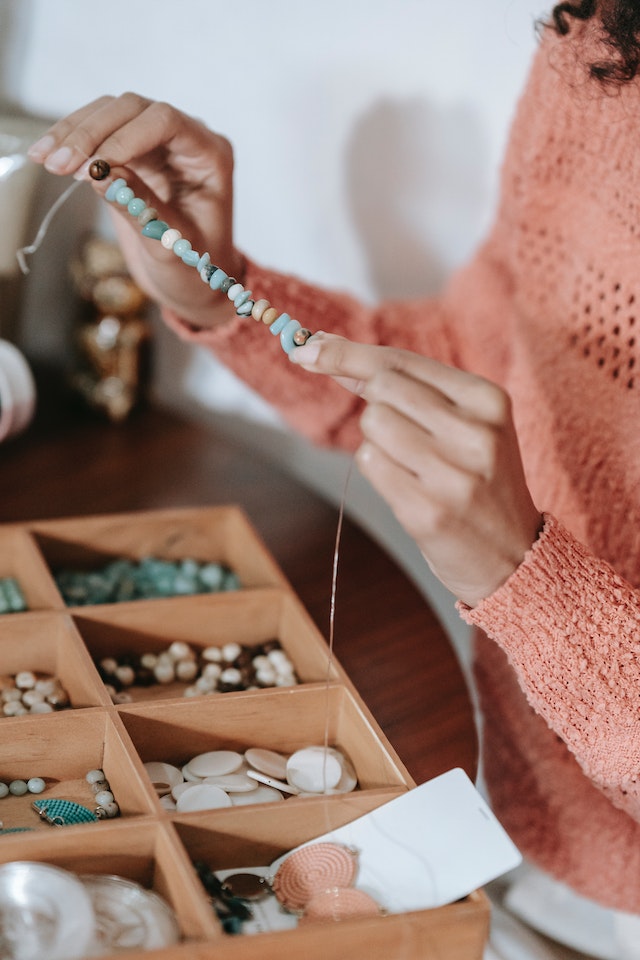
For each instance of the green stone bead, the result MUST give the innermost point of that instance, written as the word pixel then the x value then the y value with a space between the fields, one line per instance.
pixel 155 229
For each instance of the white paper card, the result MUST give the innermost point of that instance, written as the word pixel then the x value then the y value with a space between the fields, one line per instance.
pixel 430 846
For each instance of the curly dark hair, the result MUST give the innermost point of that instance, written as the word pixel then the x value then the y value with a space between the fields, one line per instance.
pixel 621 25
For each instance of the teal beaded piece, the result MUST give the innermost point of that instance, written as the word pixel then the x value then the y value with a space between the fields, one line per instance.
pixel 63 813
pixel 290 332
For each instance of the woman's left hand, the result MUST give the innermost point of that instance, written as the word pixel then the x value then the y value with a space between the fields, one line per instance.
pixel 441 448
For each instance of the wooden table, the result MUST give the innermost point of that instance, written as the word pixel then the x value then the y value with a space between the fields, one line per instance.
pixel 72 463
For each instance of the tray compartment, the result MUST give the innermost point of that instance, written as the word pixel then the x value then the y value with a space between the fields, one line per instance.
pixel 21 560
pixel 217 534
pixel 62 748
pixel 144 852
pixel 49 643
pixel 248 617
pixel 283 720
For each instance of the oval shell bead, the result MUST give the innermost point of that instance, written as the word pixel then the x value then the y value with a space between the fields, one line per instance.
pixel 286 335
pixel 169 237
pixel 259 308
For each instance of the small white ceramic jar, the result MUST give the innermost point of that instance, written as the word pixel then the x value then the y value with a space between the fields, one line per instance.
pixel 17 391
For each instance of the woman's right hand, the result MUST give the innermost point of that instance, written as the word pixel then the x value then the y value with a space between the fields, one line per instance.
pixel 174 163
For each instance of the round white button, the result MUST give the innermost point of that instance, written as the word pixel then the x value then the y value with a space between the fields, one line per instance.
pixel 267 761
pixel 202 796
pixel 314 769
pixel 216 763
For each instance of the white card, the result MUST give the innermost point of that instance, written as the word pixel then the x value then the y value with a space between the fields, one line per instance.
pixel 430 846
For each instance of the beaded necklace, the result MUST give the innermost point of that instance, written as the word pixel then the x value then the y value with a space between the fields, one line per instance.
pixel 292 334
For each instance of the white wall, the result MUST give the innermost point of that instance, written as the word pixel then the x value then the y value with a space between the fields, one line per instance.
pixel 354 121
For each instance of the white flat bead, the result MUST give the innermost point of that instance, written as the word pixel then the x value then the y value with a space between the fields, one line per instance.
pixel 267 761
pixel 202 796
pixel 314 769
pixel 215 763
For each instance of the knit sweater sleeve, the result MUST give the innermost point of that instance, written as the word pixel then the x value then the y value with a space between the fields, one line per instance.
pixel 570 626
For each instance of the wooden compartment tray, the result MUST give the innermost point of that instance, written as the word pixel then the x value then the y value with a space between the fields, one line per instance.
pixel 148 843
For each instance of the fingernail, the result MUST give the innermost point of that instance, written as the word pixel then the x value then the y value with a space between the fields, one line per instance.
pixel 40 149
pixel 307 354
pixel 58 160
pixel 83 172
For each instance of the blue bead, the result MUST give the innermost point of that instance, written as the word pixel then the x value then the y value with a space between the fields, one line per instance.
pixel 154 229
pixel 241 298
pixel 113 189
pixel 136 206
pixel 286 336
pixel 124 195
pixel 217 279
pixel 207 272
pixel 245 309
pixel 204 261
pixel 181 247
pixel 191 257
pixel 279 323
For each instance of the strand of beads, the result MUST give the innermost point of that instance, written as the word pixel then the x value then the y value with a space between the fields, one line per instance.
pixel 292 334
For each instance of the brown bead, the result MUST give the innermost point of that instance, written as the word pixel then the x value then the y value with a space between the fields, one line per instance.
pixel 269 316
pixel 99 169
pixel 301 336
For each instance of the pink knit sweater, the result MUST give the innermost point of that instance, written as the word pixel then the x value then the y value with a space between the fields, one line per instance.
pixel 550 309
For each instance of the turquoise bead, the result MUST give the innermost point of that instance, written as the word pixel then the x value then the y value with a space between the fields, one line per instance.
pixel 136 206
pixel 181 247
pixel 241 298
pixel 245 309
pixel 279 324
pixel 124 195
pixel 155 229
pixel 217 279
pixel 113 189
pixel 286 336
pixel 191 257
pixel 204 261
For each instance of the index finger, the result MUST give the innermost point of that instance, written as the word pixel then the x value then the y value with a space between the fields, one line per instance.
pixel 362 363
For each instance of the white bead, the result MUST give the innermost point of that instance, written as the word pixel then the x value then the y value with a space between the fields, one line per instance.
pixel 265 676
pixel 191 692
pixel 14 708
pixel 314 769
pixel 212 654
pixel 180 651
pixel 231 651
pixel 36 785
pixel 211 671
pixel 104 797
pixel 4 790
pixel 186 669
pixel 11 693
pixel 215 763
pixel 205 684
pixel 126 675
pixel 234 291
pixel 164 672
pixel 109 664
pixel 169 237
pixel 25 680
pixel 231 675
pixel 148 661
pixel 29 697
pixel 41 708
pixel 18 788
pixel 95 776
pixel 47 687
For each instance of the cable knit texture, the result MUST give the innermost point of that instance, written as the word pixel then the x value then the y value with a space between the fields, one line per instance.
pixel 550 309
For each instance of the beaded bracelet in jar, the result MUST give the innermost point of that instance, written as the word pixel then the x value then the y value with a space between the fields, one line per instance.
pixel 292 334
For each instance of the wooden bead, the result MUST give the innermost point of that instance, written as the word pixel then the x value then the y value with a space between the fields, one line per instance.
pixel 99 170
pixel 269 315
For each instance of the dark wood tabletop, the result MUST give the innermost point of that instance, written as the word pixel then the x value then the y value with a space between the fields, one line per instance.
pixel 72 462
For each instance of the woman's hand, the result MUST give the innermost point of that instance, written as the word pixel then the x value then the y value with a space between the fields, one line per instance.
pixel 441 448
pixel 176 165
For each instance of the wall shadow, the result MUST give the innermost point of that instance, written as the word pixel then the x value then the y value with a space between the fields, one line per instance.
pixel 414 179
